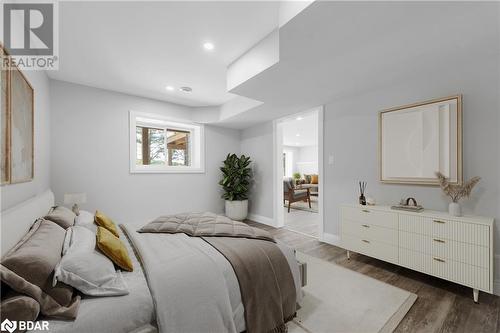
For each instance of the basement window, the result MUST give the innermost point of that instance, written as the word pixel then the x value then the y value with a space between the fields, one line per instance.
pixel 162 145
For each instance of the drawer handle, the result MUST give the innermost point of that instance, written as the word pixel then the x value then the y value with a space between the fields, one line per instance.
pixel 439 240
pixel 366 241
pixel 366 210
pixel 439 221
pixel 438 259
pixel 365 225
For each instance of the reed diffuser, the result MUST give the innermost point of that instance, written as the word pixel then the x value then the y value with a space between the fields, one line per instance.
pixel 362 198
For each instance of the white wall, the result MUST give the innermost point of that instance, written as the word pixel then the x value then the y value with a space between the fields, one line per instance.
pixel 307 162
pixel 257 142
pixel 351 137
pixel 90 153
pixel 351 130
pixel 292 157
pixel 16 193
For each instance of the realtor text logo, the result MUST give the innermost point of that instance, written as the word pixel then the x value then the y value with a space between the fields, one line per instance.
pixel 30 32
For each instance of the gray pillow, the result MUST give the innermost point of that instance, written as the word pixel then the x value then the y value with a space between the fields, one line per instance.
pixel 62 216
pixel 18 307
pixel 29 268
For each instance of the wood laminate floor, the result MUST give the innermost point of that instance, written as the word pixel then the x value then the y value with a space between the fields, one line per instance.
pixel 441 306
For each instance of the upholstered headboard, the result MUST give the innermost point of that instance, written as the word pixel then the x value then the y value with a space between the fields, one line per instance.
pixel 17 220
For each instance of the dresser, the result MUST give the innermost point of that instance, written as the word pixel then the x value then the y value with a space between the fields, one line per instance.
pixel 458 249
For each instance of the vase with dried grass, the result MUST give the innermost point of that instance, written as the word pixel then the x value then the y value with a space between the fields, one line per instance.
pixel 456 192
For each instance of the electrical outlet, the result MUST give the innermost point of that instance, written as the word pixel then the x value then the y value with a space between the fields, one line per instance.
pixel 330 159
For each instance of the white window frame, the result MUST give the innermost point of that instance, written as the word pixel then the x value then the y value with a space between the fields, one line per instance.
pixel 196 148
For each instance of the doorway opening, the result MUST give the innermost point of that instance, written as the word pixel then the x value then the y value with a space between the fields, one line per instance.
pixel 298 172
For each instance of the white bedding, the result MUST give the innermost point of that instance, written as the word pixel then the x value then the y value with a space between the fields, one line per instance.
pixel 135 312
pixel 194 287
pixel 115 314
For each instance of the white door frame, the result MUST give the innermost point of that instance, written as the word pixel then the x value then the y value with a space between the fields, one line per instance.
pixel 278 175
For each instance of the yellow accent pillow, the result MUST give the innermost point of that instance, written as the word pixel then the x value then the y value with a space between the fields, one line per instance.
pixel 105 222
pixel 314 179
pixel 114 249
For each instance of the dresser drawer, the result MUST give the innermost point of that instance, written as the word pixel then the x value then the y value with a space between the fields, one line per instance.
pixel 370 216
pixel 472 276
pixel 370 248
pixel 447 249
pixel 477 234
pixel 370 231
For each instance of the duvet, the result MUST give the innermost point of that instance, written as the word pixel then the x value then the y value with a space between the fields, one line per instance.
pixel 194 286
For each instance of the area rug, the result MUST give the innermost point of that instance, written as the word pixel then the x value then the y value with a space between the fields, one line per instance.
pixel 337 299
pixel 301 205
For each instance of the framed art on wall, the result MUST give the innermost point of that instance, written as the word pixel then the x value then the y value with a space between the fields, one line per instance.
pixel 420 139
pixel 5 124
pixel 17 126
pixel 21 128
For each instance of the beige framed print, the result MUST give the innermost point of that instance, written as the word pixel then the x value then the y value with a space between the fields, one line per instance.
pixel 21 128
pixel 4 122
pixel 417 140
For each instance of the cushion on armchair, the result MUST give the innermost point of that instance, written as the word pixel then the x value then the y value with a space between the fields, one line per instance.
pixel 300 194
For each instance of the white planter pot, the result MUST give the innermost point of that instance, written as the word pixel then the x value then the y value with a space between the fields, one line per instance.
pixel 454 209
pixel 237 210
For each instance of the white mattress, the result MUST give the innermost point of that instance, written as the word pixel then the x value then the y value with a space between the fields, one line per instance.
pixel 117 314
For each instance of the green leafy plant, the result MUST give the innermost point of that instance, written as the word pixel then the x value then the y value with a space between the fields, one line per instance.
pixel 236 176
pixel 296 175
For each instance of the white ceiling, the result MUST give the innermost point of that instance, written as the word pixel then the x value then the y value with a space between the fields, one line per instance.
pixel 335 50
pixel 139 48
pixel 301 130
pixel 329 51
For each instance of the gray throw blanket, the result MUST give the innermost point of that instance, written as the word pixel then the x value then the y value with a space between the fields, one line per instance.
pixel 204 224
pixel 266 282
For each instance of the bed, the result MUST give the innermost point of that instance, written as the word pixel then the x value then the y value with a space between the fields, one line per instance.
pixel 152 300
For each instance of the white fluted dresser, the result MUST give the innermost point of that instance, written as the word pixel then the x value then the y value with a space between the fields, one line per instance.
pixel 458 249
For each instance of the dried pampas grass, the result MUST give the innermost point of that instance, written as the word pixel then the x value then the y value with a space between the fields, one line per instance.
pixel 457 192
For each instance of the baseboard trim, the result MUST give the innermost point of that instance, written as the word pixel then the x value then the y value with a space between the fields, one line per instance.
pixel 262 219
pixel 330 239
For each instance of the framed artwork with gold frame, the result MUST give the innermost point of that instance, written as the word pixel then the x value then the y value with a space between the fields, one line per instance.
pixel 4 122
pixel 17 125
pixel 417 140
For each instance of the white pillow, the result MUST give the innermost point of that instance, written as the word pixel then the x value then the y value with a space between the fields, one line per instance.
pixel 86 219
pixel 86 269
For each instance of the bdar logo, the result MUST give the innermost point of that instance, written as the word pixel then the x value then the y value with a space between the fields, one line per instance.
pixel 8 325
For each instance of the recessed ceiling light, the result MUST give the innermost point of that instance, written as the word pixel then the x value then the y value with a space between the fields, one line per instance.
pixel 169 88
pixel 208 46
pixel 299 118
pixel 186 89
pixel 297 134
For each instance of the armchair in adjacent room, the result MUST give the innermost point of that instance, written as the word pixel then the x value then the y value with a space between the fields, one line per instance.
pixel 292 194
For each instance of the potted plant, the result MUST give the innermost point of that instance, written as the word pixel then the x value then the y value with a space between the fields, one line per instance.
pixel 456 192
pixel 236 175
pixel 296 176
